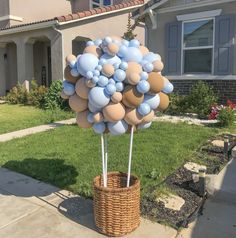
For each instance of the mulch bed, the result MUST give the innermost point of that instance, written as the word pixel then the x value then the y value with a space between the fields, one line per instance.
pixel 181 183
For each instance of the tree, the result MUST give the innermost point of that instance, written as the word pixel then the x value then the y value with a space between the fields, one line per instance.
pixel 129 34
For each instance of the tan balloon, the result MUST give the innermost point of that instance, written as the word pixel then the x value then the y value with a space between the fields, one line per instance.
pixel 108 70
pixel 98 117
pixel 81 119
pixel 134 78
pixel 70 58
pixel 114 112
pixel 116 97
pixel 133 68
pixel 156 82
pixel 148 118
pixel 113 48
pixel 132 117
pixel 64 96
pixel 93 49
pixel 90 84
pixel 158 66
pixel 77 103
pixel 131 97
pixel 81 88
pixel 68 76
pixel 144 50
pixel 164 102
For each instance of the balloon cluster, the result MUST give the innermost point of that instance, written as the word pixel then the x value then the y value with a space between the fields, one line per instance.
pixel 114 85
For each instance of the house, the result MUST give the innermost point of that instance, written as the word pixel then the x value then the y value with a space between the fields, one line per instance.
pixel 197 41
pixel 35 36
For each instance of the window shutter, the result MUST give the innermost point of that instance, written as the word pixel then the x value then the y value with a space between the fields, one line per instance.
pixel 173 48
pixel 224 44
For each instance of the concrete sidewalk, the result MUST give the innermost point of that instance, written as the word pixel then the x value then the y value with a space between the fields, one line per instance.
pixel 219 215
pixel 34 130
pixel 32 209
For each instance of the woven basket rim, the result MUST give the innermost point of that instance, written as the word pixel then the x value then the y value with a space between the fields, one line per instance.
pixel 117 190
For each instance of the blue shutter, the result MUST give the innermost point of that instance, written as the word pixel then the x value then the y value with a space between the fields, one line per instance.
pixel 224 45
pixel 173 48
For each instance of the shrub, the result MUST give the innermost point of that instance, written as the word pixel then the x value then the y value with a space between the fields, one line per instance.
pixel 17 95
pixel 178 104
pixel 200 99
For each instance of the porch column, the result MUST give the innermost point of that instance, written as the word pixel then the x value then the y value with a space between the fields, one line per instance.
pixel 25 65
pixel 2 69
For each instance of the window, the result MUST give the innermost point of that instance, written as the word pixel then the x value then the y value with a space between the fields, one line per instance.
pixel 198 45
pixel 100 3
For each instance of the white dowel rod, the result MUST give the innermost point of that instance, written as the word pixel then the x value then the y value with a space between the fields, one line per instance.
pixel 103 160
pixel 130 155
pixel 106 160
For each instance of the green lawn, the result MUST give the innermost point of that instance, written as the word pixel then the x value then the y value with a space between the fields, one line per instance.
pixel 16 117
pixel 69 157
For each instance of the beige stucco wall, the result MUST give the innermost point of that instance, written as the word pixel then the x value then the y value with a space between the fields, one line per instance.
pixel 156 38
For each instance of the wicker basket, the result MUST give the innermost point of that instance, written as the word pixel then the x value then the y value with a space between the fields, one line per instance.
pixel 117 208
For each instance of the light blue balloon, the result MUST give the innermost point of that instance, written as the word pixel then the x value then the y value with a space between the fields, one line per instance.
pixel 98 97
pixel 72 64
pixel 117 128
pixel 89 43
pixel 144 109
pixel 110 89
pixel 168 88
pixel 152 100
pixel 124 65
pixel 143 86
pixel 93 108
pixel 151 57
pixel 122 51
pixel 102 61
pixel 90 117
pixel 68 88
pixel 119 86
pixel 134 43
pixel 133 55
pixel 148 67
pixel 96 72
pixel 143 62
pixel 95 79
pixel 125 42
pixel 144 76
pixel 99 68
pixel 74 72
pixel 144 126
pixel 89 74
pixel 111 59
pixel 86 62
pixel 119 75
pixel 112 81
pixel 107 40
pixel 103 81
pixel 116 65
pixel 98 42
pixel 99 128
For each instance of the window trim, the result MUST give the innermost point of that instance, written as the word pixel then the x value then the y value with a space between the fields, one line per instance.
pixel 199 47
pixel 100 4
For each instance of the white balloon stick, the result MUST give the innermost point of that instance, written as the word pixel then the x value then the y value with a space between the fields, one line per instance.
pixel 103 160
pixel 106 160
pixel 130 154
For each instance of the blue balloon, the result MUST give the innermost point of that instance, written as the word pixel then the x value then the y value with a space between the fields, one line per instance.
pixel 117 128
pixel 86 62
pixel 152 100
pixel 102 62
pixel 122 51
pixel 144 109
pixel 110 59
pixel 90 117
pixel 98 42
pixel 143 86
pixel 89 74
pixel 148 67
pixel 168 88
pixel 110 89
pixel 103 81
pixel 144 76
pixel 133 55
pixel 98 97
pixel 143 62
pixel 112 81
pixel 95 79
pixel 119 75
pixel 144 126
pixel 72 63
pixel 125 42
pixel 119 86
pixel 89 43
pixel 99 67
pixel 96 72
pixel 74 72
pixel 151 57
pixel 107 40
pixel 123 65
pixel 116 65
pixel 134 43
pixel 68 88
pixel 99 128
pixel 93 108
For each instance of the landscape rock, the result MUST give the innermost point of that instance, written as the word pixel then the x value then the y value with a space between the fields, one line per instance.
pixel 172 201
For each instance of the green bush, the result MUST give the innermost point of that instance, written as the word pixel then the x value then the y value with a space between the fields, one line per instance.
pixel 178 104
pixel 17 95
pixel 226 117
pixel 200 99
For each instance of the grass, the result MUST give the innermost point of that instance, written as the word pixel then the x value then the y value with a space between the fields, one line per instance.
pixel 16 117
pixel 70 157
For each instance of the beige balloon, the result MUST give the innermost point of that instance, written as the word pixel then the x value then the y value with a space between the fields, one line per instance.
pixel 64 96
pixel 70 58
pixel 77 103
pixel 133 69
pixel 132 117
pixel 131 97
pixel 113 48
pixel 116 97
pixel 148 118
pixel 134 78
pixel 81 119
pixel 68 76
pixel 156 82
pixel 81 88
pixel 93 49
pixel 114 112
pixel 164 102
pixel 98 117
pixel 108 70
pixel 158 66
pixel 144 50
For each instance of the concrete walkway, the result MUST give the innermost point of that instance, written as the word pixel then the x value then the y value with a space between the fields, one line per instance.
pixel 32 209
pixel 219 215
pixel 34 130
